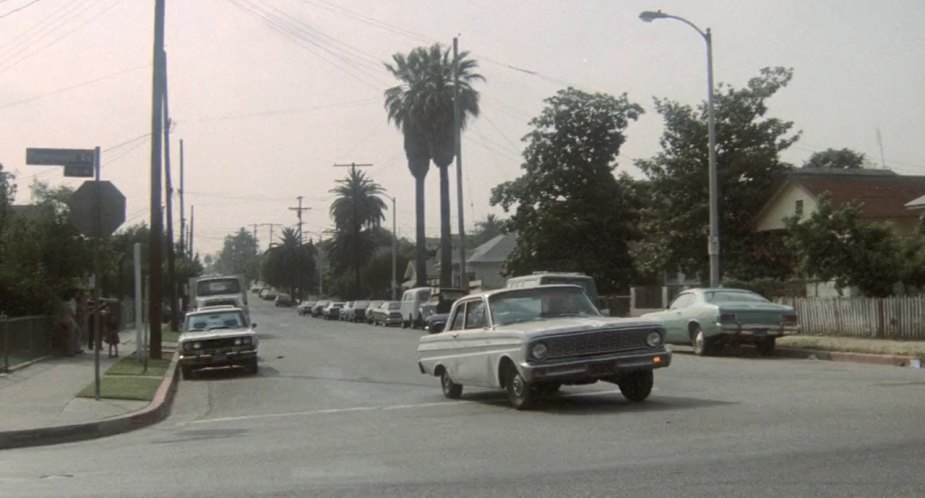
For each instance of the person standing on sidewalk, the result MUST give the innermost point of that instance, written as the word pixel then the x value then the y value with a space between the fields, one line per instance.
pixel 78 306
pixel 64 319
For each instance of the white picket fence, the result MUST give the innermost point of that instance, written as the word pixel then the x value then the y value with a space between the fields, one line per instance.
pixel 889 318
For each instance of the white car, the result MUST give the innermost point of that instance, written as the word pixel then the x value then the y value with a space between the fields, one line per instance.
pixel 216 338
pixel 531 341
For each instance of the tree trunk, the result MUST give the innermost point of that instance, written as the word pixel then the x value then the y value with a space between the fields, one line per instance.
pixel 420 262
pixel 446 247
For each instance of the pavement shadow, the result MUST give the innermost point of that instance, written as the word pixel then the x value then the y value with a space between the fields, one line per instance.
pixel 591 403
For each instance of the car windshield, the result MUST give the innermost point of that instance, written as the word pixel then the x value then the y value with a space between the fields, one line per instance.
pixel 394 305
pixel 719 297
pixel 539 303
pixel 215 320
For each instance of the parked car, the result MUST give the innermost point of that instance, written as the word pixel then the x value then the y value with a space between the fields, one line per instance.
pixel 283 300
pixel 369 310
pixel 346 313
pixel 388 313
pixel 358 314
pixel 711 318
pixel 305 308
pixel 533 340
pixel 217 338
pixel 435 322
pixel 437 307
pixel 318 308
pixel 411 302
pixel 332 310
pixel 267 294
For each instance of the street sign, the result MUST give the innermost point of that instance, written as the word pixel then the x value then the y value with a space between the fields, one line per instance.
pixel 57 157
pixel 79 170
pixel 83 208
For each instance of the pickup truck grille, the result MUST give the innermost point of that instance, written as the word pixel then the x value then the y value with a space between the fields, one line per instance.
pixel 227 342
pixel 596 343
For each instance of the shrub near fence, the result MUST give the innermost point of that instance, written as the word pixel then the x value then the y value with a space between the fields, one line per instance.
pixel 901 318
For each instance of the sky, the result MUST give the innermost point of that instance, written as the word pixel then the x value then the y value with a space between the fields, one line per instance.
pixel 268 95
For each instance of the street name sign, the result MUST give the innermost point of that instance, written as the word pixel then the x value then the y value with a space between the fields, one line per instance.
pixel 79 170
pixel 83 208
pixel 59 157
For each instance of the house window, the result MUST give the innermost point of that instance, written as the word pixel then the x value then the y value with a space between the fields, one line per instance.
pixel 798 208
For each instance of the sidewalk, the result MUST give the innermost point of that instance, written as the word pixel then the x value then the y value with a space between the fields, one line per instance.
pixel 38 403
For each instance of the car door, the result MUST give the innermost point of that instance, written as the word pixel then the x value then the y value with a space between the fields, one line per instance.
pixel 675 319
pixel 472 345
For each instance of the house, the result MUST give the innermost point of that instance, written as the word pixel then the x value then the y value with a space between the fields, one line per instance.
pixel 487 261
pixel 885 196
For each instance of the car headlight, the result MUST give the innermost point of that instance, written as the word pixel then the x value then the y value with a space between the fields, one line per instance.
pixel 654 338
pixel 187 346
pixel 246 341
pixel 238 341
pixel 539 351
pixel 197 345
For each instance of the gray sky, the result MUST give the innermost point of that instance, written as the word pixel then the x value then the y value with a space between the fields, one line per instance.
pixel 264 115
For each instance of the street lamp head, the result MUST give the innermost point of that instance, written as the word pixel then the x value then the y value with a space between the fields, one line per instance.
pixel 649 16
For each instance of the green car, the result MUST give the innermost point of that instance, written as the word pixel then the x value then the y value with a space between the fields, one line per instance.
pixel 711 318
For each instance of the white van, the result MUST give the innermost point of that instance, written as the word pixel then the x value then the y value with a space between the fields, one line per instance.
pixel 411 302
pixel 586 282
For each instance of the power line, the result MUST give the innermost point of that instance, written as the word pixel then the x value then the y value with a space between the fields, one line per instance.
pixel 33 2
pixel 74 87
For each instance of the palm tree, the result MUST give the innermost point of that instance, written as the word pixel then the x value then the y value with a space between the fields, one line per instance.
pixel 422 106
pixel 357 206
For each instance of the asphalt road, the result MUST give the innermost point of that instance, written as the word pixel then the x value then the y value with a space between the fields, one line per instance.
pixel 339 409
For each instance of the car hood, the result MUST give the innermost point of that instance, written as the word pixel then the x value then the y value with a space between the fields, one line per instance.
pixel 204 335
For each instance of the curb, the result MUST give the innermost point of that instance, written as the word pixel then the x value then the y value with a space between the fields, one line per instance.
pixel 157 410
pixel 865 358
pixel 20 366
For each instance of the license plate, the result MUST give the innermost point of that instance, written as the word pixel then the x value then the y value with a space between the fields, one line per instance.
pixel 760 333
pixel 219 357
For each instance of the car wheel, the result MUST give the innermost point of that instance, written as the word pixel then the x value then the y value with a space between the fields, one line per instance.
pixel 637 385
pixel 519 391
pixel 766 346
pixel 702 346
pixel 187 372
pixel 252 366
pixel 451 389
pixel 404 324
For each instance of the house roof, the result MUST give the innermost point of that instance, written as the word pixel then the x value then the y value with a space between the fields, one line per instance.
pixel 883 193
pixel 495 250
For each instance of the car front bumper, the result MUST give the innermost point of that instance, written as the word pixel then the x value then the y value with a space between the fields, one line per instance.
pixel 216 358
pixel 592 369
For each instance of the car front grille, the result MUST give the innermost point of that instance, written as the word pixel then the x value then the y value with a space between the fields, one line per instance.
pixel 213 344
pixel 596 343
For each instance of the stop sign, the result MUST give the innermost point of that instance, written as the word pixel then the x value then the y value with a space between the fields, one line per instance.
pixel 83 214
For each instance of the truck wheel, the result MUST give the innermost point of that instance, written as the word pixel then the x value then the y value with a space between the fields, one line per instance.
pixel 519 392
pixel 451 389
pixel 637 385
pixel 187 372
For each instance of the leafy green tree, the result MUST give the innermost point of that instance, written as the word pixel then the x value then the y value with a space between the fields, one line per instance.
pixel 357 209
pixel 486 230
pixel 675 220
pixel 423 107
pixel 569 211
pixel 834 244
pixel 836 159
pixel 239 255
pixel 289 264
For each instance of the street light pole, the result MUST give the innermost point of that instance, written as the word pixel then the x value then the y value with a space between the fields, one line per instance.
pixel 394 255
pixel 713 242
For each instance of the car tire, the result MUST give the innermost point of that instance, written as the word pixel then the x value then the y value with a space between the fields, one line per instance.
pixel 519 392
pixel 451 389
pixel 637 386
pixel 252 367
pixel 702 345
pixel 187 372
pixel 765 346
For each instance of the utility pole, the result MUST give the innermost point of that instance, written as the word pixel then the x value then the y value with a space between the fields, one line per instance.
pixel 192 220
pixel 256 242
pixel 394 255
pixel 182 209
pixel 298 212
pixel 457 124
pixel 171 260
pixel 156 239
pixel 356 223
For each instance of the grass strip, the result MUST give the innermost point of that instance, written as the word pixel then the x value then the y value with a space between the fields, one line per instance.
pixel 130 365
pixel 123 387
pixel 854 345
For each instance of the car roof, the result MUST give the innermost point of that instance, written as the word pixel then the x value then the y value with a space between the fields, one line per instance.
pixel 212 309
